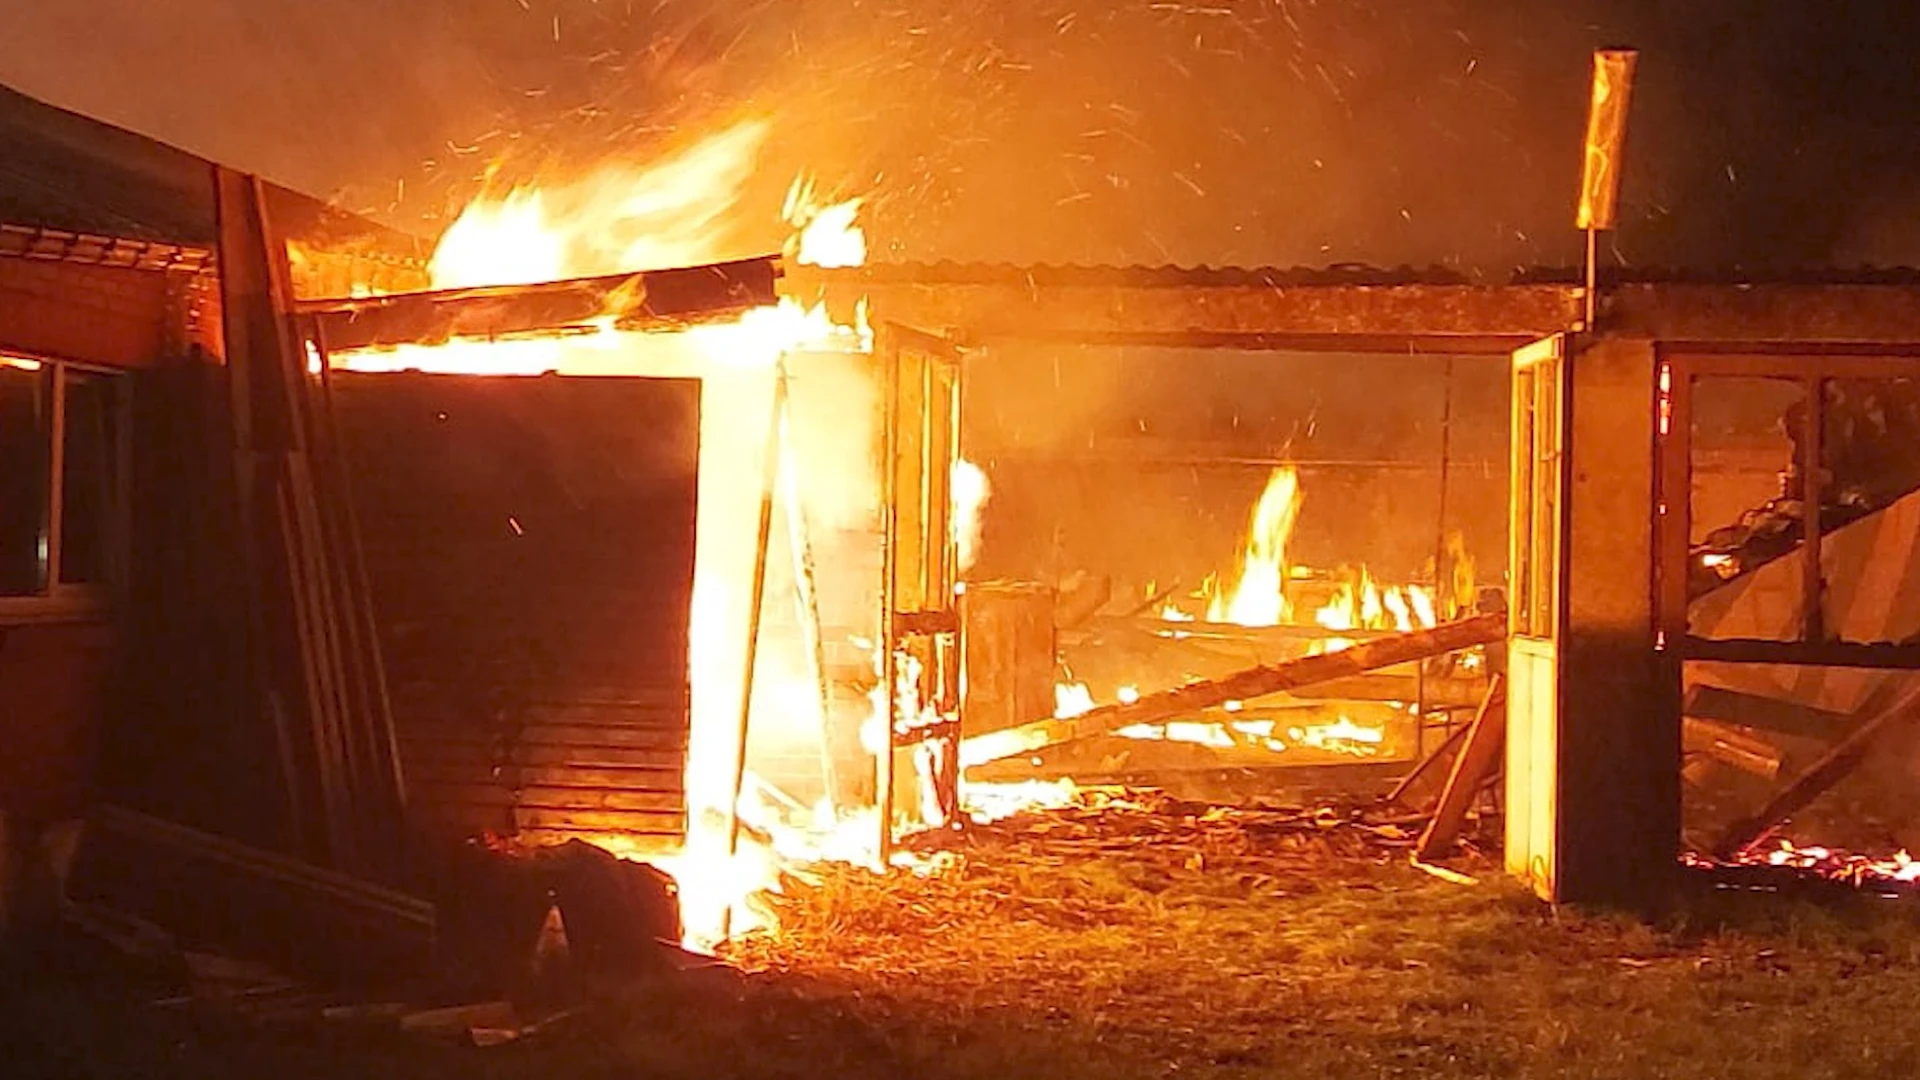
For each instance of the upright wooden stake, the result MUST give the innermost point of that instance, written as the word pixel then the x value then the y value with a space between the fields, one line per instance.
pixel 769 478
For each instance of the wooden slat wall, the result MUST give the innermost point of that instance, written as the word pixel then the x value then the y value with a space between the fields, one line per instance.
pixel 530 545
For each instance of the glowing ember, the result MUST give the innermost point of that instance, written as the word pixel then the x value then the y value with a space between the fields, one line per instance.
pixel 1343 736
pixel 1854 869
pixel 985 803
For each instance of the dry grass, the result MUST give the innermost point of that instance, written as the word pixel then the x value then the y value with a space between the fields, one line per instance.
pixel 1188 952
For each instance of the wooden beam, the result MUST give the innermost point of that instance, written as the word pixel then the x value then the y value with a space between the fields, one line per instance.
pixel 1256 682
pixel 1221 308
pixel 1767 713
pixel 1823 774
pixel 651 299
pixel 1477 760
pixel 1901 655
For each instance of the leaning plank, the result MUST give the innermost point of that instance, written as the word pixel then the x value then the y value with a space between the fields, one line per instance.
pixel 1420 789
pixel 1471 768
pixel 307 920
pixel 1245 685
pixel 1823 774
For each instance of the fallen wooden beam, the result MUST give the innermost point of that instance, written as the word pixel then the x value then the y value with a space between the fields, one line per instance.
pixel 1245 685
pixel 1730 746
pixel 1772 714
pixel 1903 706
pixel 1477 759
pixel 650 299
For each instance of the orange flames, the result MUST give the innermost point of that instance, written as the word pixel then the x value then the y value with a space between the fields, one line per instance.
pixel 1258 596
pixel 676 212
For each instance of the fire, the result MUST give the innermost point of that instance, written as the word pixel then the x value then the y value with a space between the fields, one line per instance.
pixel 676 212
pixel 971 491
pixel 1258 596
pixel 1071 699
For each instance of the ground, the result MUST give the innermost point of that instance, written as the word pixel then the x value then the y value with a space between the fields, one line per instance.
pixel 1173 943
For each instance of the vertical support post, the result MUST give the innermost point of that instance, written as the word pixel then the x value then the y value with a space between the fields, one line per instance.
pixel 755 605
pixel 1593 280
pixel 888 350
pixel 56 471
pixel 1812 626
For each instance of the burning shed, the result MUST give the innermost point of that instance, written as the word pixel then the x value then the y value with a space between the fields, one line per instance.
pixel 191 652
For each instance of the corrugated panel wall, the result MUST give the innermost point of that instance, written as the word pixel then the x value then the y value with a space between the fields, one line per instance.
pixel 530 549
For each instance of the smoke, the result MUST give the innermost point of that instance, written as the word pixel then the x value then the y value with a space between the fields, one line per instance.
pixel 1237 131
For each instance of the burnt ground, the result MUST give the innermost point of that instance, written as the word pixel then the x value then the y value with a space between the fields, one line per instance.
pixel 1162 941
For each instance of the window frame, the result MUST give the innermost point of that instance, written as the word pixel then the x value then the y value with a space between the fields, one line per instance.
pixel 62 601
pixel 1538 490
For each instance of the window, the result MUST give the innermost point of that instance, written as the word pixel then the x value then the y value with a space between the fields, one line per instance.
pixel 60 480
pixel 26 435
pixel 1536 492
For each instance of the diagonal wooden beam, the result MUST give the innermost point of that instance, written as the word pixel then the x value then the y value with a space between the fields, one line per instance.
pixel 1245 685
pixel 1903 706
pixel 1471 768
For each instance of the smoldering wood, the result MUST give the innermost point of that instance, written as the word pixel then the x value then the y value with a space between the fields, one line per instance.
pixel 1902 707
pixel 652 299
pixel 1244 685
pixel 1476 762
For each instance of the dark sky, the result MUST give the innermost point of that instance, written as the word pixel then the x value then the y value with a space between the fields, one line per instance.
pixel 1766 133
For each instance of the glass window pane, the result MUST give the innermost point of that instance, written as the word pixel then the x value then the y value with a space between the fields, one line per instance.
pixel 1524 387
pixel 1870 509
pixel 88 480
pixel 1744 509
pixel 26 420
pixel 1546 500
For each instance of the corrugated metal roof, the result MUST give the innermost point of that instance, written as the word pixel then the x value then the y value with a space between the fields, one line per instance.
pixel 63 171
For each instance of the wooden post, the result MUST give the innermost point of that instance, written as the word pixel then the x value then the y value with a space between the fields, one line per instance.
pixel 754 606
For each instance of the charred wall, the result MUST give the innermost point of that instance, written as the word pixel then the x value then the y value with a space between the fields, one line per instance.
pixel 529 544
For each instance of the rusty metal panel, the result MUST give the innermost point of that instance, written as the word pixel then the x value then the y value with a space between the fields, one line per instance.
pixel 530 545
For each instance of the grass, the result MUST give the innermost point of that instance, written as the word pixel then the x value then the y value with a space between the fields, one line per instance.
pixel 1036 960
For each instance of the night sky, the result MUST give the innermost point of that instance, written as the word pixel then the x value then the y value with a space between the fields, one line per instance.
pixel 1766 135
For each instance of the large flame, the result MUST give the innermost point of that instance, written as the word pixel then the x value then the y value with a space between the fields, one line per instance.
pixel 675 213
pixel 1258 596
